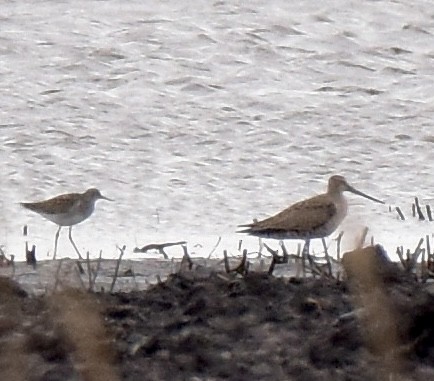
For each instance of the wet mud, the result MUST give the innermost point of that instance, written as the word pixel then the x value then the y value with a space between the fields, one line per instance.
pixel 219 326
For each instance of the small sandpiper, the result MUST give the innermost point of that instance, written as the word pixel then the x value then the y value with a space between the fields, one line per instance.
pixel 67 210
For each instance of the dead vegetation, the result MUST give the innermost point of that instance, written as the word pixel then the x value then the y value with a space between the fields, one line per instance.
pixel 230 322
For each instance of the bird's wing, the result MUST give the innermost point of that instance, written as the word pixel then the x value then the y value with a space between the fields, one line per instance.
pixel 304 216
pixel 59 204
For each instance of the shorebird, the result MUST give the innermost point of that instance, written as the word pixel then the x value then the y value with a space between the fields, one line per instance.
pixel 67 210
pixel 315 217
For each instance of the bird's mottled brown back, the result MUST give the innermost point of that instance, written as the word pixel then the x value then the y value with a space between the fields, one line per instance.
pixel 55 205
pixel 311 217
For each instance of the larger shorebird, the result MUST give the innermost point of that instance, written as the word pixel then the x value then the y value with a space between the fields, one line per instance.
pixel 315 217
pixel 67 210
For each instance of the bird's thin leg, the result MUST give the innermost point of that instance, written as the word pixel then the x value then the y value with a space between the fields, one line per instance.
pixel 73 244
pixel 56 238
pixel 305 255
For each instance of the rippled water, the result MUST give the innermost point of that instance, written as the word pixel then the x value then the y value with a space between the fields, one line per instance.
pixel 198 116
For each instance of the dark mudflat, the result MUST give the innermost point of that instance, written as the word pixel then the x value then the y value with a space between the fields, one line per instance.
pixel 197 326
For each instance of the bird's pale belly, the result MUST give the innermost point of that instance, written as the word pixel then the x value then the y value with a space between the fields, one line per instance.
pixel 65 219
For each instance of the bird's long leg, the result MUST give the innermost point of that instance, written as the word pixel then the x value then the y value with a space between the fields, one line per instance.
pixel 73 244
pixel 56 238
pixel 305 255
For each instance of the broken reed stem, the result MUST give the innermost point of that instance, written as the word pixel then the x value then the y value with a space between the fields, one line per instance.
pixel 13 265
pixel 225 256
pixel 410 260
pixel 338 246
pixel 271 268
pixel 187 257
pixel 428 213
pixel 418 209
pixel 115 277
pixel 242 268
pixel 80 267
pixel 274 260
pixel 98 267
pixel 314 268
pixel 414 257
pixel 284 251
pixel 400 252
pixel 305 254
pixel 400 214
pixel 423 263
pixel 297 261
pixel 215 247
pixel 56 279
pixel 363 237
pixel 329 265
pixel 186 262
pixel 78 273
pixel 89 272
pixel 261 247
pixel 270 250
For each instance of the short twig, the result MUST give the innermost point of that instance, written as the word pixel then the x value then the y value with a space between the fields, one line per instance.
pixel 415 256
pixel 418 209
pixel 272 265
pixel 56 279
pixel 315 269
pixel 304 254
pixel 96 271
pixel 215 247
pixel 12 261
pixel 270 250
pixel 400 214
pixel 226 261
pixel 242 268
pixel 284 251
pixel 158 247
pixel 240 244
pixel 89 271
pixel 423 268
pixel 187 257
pixel 80 267
pixel 400 253
pixel 326 253
pixel 428 213
pixel 363 236
pixel 261 247
pixel 298 260
pixel 77 271
pixel 31 255
pixel 118 263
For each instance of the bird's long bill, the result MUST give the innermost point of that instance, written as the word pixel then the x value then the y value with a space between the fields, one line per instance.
pixel 106 198
pixel 355 191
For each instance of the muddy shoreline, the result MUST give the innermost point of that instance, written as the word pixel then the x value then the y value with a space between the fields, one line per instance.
pixel 206 324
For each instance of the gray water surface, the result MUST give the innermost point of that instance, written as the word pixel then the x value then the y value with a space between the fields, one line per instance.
pixel 199 116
